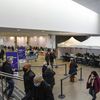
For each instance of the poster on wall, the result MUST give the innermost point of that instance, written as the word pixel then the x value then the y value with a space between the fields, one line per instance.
pixel 21 53
pixel 14 57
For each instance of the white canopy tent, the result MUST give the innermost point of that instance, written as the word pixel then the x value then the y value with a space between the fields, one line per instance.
pixel 91 43
pixel 67 46
pixel 69 43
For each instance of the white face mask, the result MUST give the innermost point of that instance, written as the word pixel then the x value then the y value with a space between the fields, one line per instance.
pixel 37 84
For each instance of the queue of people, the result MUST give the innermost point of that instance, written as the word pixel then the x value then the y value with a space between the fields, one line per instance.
pixel 39 88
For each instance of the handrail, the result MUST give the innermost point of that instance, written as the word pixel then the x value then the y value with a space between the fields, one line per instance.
pixel 62 95
pixel 9 74
pixel 56 66
pixel 13 77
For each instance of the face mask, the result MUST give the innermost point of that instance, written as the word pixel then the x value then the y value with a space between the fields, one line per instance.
pixel 24 69
pixel 36 84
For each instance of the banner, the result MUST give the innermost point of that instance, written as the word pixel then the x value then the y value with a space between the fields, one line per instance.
pixel 21 53
pixel 14 57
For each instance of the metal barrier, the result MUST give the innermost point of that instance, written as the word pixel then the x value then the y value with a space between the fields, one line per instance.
pixel 6 75
pixel 56 66
pixel 61 82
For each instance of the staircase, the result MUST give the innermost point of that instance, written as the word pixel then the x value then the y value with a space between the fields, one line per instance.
pixel 18 94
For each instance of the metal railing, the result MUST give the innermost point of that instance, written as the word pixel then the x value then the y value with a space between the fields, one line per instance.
pixel 61 82
pixel 3 76
pixel 56 66
pixel 65 69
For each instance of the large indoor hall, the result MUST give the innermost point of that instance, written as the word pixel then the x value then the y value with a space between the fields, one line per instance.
pixel 49 49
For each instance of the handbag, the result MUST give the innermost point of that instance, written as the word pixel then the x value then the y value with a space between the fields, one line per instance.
pixel 88 85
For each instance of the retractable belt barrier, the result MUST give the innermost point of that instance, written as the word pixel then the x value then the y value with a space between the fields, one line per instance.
pixel 61 82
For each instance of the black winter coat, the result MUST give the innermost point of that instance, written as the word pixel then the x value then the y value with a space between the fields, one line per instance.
pixel 52 57
pixel 49 76
pixel 44 68
pixel 47 56
pixel 28 81
pixel 42 92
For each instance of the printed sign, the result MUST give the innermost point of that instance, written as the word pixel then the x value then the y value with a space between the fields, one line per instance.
pixel 21 53
pixel 14 58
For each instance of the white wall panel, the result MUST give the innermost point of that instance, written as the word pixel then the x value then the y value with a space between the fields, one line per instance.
pixel 60 15
pixel 42 41
pixel 22 41
pixel 8 41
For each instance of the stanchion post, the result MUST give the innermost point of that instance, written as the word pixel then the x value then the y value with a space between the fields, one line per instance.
pixel 2 88
pixel 81 79
pixel 56 64
pixel 61 95
pixel 65 70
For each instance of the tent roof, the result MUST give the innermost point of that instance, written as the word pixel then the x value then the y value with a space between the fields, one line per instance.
pixel 69 43
pixel 92 42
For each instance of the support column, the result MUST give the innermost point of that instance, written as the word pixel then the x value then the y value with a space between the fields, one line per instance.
pixel 28 39
pixel 15 41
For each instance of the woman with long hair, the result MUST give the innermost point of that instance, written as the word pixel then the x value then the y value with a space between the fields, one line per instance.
pixel 93 84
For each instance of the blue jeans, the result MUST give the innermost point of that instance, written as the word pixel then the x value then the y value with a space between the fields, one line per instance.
pixel 10 87
pixel 92 93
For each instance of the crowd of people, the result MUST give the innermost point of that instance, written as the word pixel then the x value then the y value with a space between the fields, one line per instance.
pixel 40 87
pixel 37 87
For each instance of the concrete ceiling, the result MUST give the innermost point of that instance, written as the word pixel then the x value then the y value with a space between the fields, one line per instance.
pixel 91 4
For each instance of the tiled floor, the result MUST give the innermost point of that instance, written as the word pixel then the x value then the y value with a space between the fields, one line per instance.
pixel 72 91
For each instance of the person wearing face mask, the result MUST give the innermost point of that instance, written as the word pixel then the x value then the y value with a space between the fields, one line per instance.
pixel 41 90
pixel 93 84
pixel 28 81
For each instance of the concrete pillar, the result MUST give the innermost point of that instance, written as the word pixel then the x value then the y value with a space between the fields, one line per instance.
pixel 28 39
pixel 15 41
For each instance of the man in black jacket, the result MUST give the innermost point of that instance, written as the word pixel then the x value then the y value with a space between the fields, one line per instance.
pixel 7 68
pixel 28 81
pixel 41 90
